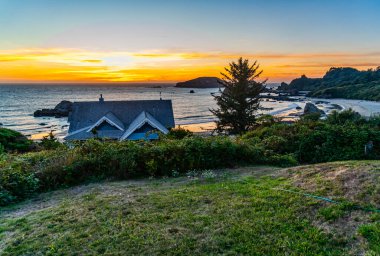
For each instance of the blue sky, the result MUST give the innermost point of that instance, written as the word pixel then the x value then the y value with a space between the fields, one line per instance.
pixel 231 27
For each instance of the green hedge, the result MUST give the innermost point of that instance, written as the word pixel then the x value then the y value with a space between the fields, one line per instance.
pixel 23 175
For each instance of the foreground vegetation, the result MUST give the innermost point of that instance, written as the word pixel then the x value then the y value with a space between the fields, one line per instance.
pixel 341 137
pixel 13 141
pixel 238 211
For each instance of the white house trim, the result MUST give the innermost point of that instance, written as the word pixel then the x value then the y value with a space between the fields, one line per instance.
pixel 77 131
pixel 139 121
pixel 101 120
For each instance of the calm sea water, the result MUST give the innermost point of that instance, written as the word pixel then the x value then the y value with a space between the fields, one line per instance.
pixel 18 102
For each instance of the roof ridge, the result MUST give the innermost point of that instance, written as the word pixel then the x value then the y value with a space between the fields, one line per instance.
pixel 112 101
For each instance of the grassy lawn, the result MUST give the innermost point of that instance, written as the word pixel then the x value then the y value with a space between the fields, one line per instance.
pixel 230 212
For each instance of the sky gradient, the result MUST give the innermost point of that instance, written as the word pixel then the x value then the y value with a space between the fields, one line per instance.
pixel 170 41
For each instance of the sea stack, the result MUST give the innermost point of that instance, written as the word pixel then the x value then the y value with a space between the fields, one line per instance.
pixel 61 110
pixel 310 108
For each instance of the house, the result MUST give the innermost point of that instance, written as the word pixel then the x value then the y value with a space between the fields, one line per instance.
pixel 120 120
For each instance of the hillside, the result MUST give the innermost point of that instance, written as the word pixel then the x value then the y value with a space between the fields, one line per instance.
pixel 235 211
pixel 201 82
pixel 348 83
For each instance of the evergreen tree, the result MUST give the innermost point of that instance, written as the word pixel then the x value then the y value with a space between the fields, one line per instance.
pixel 240 99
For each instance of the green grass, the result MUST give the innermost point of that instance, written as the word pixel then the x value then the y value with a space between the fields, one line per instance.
pixel 239 212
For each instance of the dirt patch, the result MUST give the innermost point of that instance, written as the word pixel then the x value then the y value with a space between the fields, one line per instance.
pixel 352 181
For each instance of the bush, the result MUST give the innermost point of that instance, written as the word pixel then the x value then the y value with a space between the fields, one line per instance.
pixel 14 141
pixel 16 181
pixel 50 142
pixel 312 117
pixel 23 175
pixel 179 133
pixel 343 117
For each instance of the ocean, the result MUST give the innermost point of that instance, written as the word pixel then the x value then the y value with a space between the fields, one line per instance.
pixel 18 102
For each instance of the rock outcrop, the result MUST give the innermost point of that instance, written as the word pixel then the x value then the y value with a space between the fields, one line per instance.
pixel 310 108
pixel 61 110
pixel 201 82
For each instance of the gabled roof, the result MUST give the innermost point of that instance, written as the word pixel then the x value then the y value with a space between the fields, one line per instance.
pixel 121 114
pixel 140 120
pixel 110 119
pixel 86 114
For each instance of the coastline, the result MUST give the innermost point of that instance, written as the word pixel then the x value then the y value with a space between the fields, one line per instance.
pixel 290 113
pixel 191 110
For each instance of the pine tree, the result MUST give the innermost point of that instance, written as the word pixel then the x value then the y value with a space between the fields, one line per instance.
pixel 240 99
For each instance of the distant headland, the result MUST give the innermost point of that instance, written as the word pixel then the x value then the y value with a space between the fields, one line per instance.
pixel 345 83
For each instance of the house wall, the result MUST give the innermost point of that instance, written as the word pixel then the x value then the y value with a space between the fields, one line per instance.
pixel 106 127
pixel 145 128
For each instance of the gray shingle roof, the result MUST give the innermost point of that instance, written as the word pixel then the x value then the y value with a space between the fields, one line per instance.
pixel 115 120
pixel 85 114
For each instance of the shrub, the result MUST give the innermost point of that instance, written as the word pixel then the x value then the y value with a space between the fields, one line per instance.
pixel 275 143
pixel 312 117
pixel 343 117
pixel 179 133
pixel 321 141
pixel 14 141
pixel 23 175
pixel 16 181
pixel 50 142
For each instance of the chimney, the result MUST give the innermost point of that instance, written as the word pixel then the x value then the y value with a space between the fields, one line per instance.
pixel 101 99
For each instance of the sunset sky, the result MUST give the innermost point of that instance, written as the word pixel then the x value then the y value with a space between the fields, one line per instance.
pixel 170 41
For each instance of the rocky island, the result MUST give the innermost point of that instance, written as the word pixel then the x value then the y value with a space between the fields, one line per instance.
pixel 61 110
pixel 201 82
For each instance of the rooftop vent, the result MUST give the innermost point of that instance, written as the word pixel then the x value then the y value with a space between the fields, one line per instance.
pixel 101 99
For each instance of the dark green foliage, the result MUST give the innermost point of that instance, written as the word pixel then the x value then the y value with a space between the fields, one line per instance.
pixel 347 83
pixel 50 142
pixel 301 84
pixel 312 117
pixel 362 91
pixel 16 181
pixel 179 133
pixel 23 175
pixel 341 137
pixel 13 141
pixel 240 99
pixel 344 117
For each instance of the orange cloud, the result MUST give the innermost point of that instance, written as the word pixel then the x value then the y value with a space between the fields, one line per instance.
pixel 76 65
